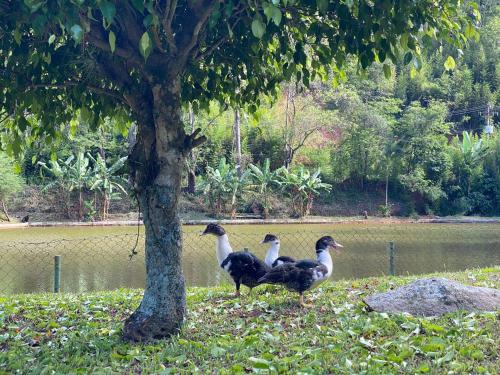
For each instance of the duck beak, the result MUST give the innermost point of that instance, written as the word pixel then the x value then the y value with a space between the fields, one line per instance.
pixel 336 246
pixel 202 233
pixel 262 242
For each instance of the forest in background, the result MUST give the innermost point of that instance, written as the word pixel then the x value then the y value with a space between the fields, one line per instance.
pixel 394 139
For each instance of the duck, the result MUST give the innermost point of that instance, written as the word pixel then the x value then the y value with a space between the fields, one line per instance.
pixel 272 258
pixel 243 266
pixel 304 274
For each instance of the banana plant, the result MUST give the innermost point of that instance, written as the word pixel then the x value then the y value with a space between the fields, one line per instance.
pixel 72 174
pixel 472 148
pixel 238 185
pixel 302 187
pixel 222 185
pixel 473 151
pixel 106 181
pixel 263 182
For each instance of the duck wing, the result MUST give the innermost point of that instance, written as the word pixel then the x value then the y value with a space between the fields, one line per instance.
pixel 244 264
pixel 298 276
pixel 281 260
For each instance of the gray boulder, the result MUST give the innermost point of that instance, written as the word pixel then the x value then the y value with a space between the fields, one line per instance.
pixel 434 297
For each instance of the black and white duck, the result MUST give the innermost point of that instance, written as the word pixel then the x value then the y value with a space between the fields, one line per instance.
pixel 304 274
pixel 272 258
pixel 243 266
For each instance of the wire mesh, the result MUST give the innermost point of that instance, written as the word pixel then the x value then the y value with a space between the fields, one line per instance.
pixel 102 262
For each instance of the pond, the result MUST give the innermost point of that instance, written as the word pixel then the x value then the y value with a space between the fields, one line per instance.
pixel 97 258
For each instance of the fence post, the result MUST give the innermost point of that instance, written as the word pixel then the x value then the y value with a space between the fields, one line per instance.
pixel 391 252
pixel 57 273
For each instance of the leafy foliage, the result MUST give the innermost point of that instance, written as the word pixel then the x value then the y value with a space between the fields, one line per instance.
pixel 74 333
pixel 107 181
pixel 10 183
pixel 72 174
pixel 222 185
pixel 302 186
pixel 81 172
pixel 263 182
pixel 80 55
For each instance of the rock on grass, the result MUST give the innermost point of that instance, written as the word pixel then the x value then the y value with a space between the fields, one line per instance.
pixel 435 297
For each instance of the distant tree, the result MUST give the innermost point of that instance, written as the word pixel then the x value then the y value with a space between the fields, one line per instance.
pixel 303 118
pixel 146 58
pixel 10 183
pixel 421 156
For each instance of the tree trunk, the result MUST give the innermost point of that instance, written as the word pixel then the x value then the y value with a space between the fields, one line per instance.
pixel 80 205
pixel 157 162
pixel 191 187
pixel 4 210
pixel 237 141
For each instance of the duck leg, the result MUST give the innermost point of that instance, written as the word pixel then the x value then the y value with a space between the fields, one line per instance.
pixel 302 303
pixel 237 294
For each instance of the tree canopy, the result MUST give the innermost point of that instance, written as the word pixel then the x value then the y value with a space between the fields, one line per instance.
pixel 59 57
pixel 145 59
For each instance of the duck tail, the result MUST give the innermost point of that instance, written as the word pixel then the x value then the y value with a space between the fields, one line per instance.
pixel 263 280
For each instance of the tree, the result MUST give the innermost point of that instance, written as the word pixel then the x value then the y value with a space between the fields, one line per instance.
pixel 10 183
pixel 144 59
pixel 421 150
pixel 303 118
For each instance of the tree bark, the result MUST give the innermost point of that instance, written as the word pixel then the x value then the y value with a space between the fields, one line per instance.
pixel 4 210
pixel 157 161
pixel 237 140
pixel 191 183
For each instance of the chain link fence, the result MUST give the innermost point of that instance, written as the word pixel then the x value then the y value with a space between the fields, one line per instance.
pixel 103 262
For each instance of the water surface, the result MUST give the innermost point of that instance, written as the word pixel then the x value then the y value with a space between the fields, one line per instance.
pixel 97 258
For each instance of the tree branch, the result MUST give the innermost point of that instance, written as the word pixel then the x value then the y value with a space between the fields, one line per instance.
pixel 202 18
pixel 167 20
pixel 96 89
pixel 103 45
pixel 191 141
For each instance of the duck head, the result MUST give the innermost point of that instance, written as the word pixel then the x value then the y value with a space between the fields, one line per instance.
pixel 214 229
pixel 327 243
pixel 270 239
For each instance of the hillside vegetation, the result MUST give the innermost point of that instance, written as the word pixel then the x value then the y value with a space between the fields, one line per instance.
pixel 403 139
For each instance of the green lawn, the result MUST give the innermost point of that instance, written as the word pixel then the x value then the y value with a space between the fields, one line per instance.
pixel 47 333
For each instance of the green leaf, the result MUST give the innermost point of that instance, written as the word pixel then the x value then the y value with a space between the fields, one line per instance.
pixel 108 11
pixel 17 36
pixel 387 71
pixel 408 57
pixel 272 13
pixel 258 28
pixel 76 33
pixel 449 64
pixel 52 38
pixel 112 41
pixel 259 363
pixel 413 72
pixel 403 40
pixel 145 46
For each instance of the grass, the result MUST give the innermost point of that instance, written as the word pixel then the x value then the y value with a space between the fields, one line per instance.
pixel 267 332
